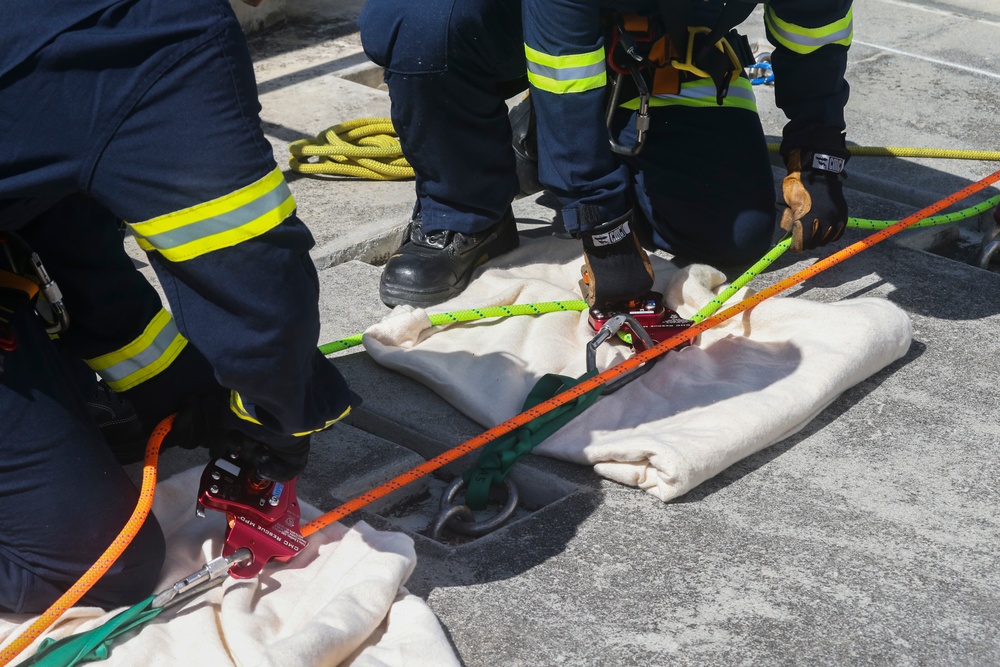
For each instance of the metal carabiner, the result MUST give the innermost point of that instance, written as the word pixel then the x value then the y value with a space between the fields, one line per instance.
pixel 460 519
pixel 211 574
pixel 53 297
pixel 609 329
pixel 641 115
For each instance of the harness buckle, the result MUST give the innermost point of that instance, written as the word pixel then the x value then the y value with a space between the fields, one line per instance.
pixel 721 61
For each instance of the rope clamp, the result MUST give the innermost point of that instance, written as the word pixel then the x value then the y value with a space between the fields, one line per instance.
pixel 652 317
pixel 263 516
pixel 642 323
pixel 460 519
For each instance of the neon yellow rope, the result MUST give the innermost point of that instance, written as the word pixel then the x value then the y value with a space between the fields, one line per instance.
pixel 904 151
pixel 364 148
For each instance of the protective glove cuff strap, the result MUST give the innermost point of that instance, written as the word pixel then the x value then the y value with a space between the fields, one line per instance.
pixel 608 233
pixel 817 161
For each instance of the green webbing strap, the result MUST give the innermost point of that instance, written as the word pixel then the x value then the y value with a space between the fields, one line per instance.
pixel 499 456
pixel 94 644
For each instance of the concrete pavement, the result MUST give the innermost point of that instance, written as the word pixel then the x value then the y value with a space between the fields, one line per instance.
pixel 867 538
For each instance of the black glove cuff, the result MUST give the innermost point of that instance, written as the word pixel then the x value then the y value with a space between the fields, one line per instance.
pixel 825 140
pixel 820 162
pixel 608 233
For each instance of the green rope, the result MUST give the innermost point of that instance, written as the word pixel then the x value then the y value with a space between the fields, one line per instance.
pixel 942 219
pixel 473 314
pixel 709 308
pixel 470 315
pixel 857 223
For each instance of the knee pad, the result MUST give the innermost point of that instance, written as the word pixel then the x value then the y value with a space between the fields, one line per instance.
pixel 406 37
pixel 411 38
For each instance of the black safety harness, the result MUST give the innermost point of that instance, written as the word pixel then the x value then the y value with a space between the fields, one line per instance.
pixel 658 52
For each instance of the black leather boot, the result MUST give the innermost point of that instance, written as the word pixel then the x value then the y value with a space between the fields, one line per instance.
pixel 430 268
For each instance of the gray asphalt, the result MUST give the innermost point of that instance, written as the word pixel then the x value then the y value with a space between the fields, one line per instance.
pixel 869 537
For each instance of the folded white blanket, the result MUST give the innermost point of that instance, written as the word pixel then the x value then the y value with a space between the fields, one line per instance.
pixel 341 601
pixel 744 385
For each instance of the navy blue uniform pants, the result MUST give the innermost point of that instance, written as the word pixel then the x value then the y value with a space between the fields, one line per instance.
pixel 703 182
pixel 63 495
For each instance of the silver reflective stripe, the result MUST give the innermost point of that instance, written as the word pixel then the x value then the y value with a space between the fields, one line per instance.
pixel 812 42
pixel 566 73
pixel 222 223
pixel 145 357
pixel 708 91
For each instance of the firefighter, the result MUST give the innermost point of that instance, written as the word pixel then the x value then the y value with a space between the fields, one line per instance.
pixel 697 183
pixel 144 112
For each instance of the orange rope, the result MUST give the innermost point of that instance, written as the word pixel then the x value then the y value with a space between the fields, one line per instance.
pixel 625 366
pixel 110 555
pixel 153 448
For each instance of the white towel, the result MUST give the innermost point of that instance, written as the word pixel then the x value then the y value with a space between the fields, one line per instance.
pixel 341 601
pixel 744 385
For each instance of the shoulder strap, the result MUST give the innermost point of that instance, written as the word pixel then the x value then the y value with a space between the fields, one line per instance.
pixel 734 13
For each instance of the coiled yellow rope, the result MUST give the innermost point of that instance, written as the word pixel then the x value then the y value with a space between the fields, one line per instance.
pixel 363 147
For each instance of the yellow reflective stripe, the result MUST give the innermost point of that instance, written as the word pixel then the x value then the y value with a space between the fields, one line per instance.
pixel 806 40
pixel 220 223
pixel 702 93
pixel 236 405
pixel 574 73
pixel 146 356
pixel 567 61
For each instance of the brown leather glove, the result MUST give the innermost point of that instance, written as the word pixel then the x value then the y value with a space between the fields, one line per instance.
pixel 616 268
pixel 815 209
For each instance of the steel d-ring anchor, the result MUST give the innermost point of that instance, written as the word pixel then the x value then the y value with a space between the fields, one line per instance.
pixel 609 329
pixel 991 244
pixel 989 250
pixel 460 519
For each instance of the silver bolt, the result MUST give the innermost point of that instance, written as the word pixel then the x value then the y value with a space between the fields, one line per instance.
pixel 274 501
pixel 213 489
pixel 216 476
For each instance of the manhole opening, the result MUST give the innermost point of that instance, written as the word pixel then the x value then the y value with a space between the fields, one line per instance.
pixel 367 74
pixel 974 243
pixel 416 513
pixel 969 247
